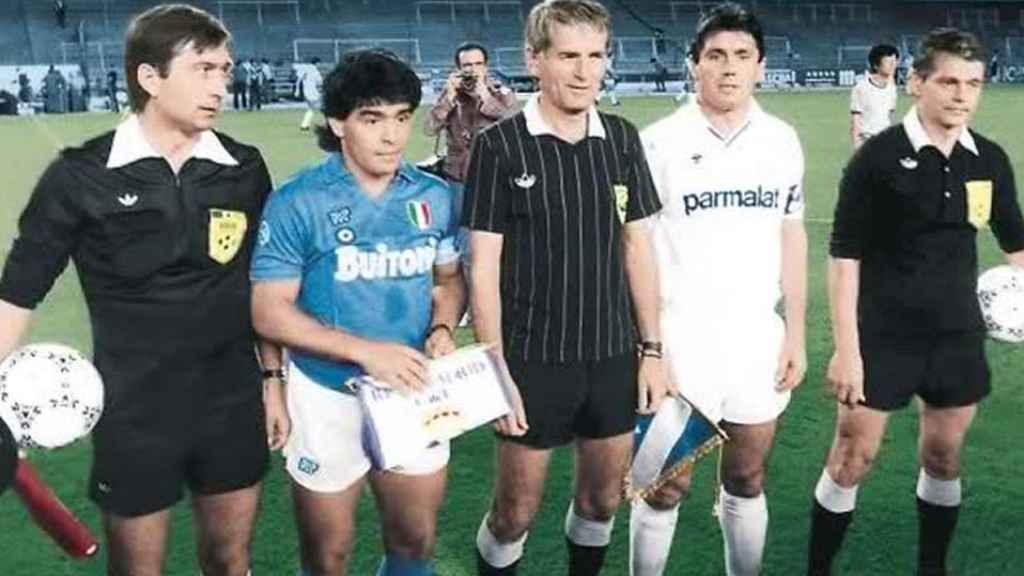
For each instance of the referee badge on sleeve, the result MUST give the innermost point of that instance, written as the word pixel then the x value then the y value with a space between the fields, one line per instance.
pixel 621 201
pixel 979 202
pixel 227 229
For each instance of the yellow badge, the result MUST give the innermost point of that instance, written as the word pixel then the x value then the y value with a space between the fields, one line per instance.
pixel 621 201
pixel 227 229
pixel 979 202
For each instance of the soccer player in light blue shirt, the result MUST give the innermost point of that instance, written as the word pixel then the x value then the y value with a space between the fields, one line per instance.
pixel 356 273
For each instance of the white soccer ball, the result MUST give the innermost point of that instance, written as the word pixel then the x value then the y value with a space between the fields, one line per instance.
pixel 1001 295
pixel 50 395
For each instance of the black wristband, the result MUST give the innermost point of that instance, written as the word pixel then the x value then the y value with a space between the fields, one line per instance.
pixel 437 327
pixel 272 373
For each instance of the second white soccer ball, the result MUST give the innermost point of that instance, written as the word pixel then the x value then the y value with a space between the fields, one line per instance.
pixel 50 395
pixel 1001 296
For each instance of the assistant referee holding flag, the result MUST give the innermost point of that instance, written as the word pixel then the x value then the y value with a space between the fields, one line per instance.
pixel 158 217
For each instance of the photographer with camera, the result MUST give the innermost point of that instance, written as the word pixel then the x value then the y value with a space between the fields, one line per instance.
pixel 471 101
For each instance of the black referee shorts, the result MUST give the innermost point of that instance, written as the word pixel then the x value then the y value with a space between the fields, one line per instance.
pixel 580 399
pixel 946 371
pixel 174 426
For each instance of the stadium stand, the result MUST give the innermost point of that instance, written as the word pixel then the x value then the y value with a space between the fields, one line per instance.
pixel 801 34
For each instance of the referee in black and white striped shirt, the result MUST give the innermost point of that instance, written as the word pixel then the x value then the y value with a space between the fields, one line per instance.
pixel 555 201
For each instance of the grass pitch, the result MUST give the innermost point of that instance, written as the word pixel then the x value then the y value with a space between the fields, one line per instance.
pixel 882 539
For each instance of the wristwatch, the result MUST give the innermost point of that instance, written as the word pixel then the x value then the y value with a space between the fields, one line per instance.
pixel 273 374
pixel 649 348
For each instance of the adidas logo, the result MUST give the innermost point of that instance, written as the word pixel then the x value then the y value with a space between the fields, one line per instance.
pixel 526 181
pixel 127 199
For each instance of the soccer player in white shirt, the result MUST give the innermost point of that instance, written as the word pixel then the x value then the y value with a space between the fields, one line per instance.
pixel 310 80
pixel 873 98
pixel 729 238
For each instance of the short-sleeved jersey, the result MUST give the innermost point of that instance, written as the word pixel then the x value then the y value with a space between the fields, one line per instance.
pixel 910 216
pixel 875 104
pixel 311 81
pixel 718 236
pixel 365 264
pixel 561 208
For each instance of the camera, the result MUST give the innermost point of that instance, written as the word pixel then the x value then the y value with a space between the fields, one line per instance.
pixel 467 81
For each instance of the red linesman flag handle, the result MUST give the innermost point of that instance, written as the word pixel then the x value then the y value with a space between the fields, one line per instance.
pixel 51 514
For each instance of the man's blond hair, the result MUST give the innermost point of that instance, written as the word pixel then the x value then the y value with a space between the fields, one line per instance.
pixel 545 15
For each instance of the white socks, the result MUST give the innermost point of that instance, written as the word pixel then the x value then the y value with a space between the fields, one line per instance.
pixel 587 532
pixel 307 119
pixel 938 492
pixel 744 523
pixel 650 538
pixel 834 497
pixel 495 553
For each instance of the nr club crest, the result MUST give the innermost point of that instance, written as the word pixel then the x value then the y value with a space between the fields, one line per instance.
pixel 227 230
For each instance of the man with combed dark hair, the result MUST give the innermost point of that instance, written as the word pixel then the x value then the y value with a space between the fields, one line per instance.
pixel 472 100
pixel 903 292
pixel 159 218
pixel 356 273
pixel 873 98
pixel 564 284
pixel 724 260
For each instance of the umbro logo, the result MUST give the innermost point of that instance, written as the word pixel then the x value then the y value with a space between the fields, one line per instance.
pixel 908 163
pixel 526 181
pixel 127 199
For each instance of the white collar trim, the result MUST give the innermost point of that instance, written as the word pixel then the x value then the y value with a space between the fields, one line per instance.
pixel 694 111
pixel 536 125
pixel 130 145
pixel 919 138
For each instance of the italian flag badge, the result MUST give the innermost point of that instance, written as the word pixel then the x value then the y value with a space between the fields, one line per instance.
pixel 419 214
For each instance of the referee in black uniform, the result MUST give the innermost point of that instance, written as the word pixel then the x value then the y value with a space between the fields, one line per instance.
pixel 902 282
pixel 159 218
pixel 561 259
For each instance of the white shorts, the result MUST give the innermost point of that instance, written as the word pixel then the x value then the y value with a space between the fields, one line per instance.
pixel 729 374
pixel 324 452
